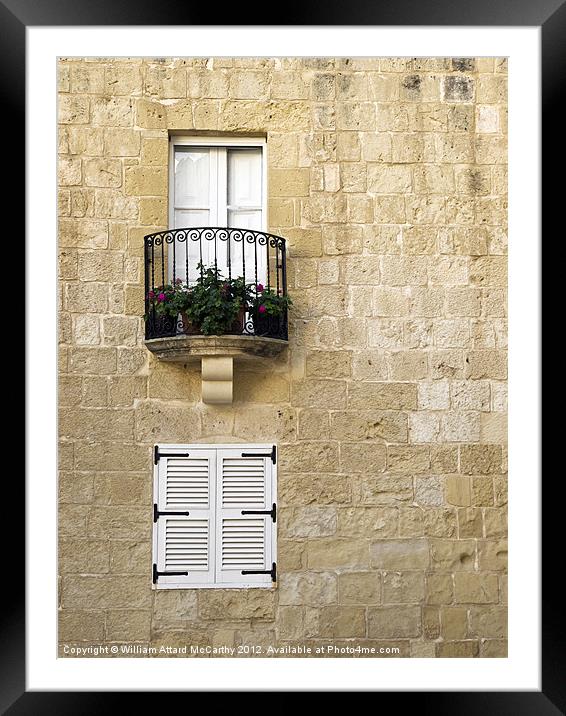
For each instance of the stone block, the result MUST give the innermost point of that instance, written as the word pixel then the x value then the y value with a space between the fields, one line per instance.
pixel 367 522
pixel 311 521
pixel 146 181
pixel 394 622
pixel 481 459
pixel 228 604
pixel 382 396
pixel 472 588
pixel 400 554
pixel 390 426
pixel 77 625
pixel 308 589
pixel 386 490
pixel 79 555
pixel 312 393
pixel 334 553
pixel 314 489
pixel 106 592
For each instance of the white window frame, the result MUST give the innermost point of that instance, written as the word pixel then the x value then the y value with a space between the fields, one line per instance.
pixel 243 447
pixel 176 140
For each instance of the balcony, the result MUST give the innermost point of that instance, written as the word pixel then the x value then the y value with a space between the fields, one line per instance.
pixel 215 294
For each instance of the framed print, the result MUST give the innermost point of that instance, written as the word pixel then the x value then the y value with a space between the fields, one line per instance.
pixel 280 309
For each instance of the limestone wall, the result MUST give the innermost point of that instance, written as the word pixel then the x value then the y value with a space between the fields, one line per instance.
pixel 388 178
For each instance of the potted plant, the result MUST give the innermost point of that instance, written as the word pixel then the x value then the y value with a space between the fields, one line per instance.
pixel 216 304
pixel 268 308
pixel 170 303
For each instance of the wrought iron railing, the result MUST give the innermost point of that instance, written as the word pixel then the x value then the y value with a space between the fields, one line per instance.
pixel 247 267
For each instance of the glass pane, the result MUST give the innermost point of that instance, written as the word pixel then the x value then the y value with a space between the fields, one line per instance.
pixel 244 219
pixel 248 220
pixel 244 177
pixel 192 177
pixel 186 219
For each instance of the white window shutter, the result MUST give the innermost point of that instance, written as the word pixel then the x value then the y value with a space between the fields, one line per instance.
pixel 186 482
pixel 245 543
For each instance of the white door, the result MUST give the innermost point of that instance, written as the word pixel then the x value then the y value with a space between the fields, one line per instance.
pixel 217 186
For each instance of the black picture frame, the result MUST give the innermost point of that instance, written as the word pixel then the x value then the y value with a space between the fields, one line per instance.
pixel 15 16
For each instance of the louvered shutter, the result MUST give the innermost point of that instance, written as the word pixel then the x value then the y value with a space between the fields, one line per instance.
pixel 244 542
pixel 185 543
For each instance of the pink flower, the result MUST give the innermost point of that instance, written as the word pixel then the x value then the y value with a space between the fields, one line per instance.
pixel 261 309
pixel 151 294
pixel 260 287
pixel 161 297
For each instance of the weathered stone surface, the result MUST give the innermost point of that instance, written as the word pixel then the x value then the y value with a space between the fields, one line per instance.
pixel 228 604
pixel 367 522
pixel 174 608
pixel 394 622
pixel 481 459
pixel 408 459
pixel 488 622
pixel 83 556
pixel 382 396
pixel 386 490
pixel 100 592
pixel 400 554
pixel 452 555
pixel 319 394
pixel 439 589
pixel 390 426
pixel 475 588
pixel 359 588
pixel 97 424
pixel 307 521
pixel 291 622
pixel 326 553
pixel 128 625
pixel 111 456
pixel 457 649
pixel 81 625
pixel 291 555
pixel 157 421
pixel 308 588
pixel 362 457
pixel 492 556
pixel 92 360
pixel 403 587
pixel 130 557
pixel 314 489
pixel 341 622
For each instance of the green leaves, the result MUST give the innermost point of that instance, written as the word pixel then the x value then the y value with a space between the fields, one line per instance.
pixel 216 305
pixel 216 302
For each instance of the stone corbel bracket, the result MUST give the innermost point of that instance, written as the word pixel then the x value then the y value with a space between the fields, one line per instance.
pixel 217 355
pixel 217 376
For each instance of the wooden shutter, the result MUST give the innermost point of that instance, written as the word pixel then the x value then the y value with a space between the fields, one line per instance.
pixel 244 542
pixel 185 483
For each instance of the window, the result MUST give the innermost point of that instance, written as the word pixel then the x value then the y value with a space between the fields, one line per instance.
pixel 217 182
pixel 214 516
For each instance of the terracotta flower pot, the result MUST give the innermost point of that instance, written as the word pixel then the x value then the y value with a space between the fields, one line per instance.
pixel 238 324
pixel 185 326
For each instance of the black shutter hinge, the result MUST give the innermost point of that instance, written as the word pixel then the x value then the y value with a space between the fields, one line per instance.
pixel 157 513
pixel 272 571
pixel 272 512
pixel 157 454
pixel 157 574
pixel 272 454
